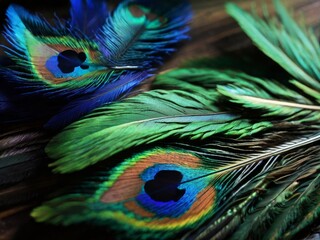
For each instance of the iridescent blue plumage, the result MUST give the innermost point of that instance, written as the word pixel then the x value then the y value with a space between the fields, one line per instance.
pixel 149 31
pixel 55 74
pixel 153 195
pixel 237 156
pixel 88 15
pixel 185 189
pixel 107 94
pixel 77 63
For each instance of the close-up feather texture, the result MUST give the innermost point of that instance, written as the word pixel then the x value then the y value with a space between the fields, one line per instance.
pixel 115 125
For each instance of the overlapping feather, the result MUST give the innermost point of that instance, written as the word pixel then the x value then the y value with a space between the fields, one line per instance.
pixel 34 95
pixel 266 187
pixel 294 47
pixel 244 175
pixel 120 45
pixel 253 169
pixel 269 96
pixel 143 119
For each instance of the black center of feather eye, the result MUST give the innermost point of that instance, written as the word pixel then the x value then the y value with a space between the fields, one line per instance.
pixel 69 59
pixel 164 186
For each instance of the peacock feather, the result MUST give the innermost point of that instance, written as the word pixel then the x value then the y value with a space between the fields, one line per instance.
pixel 53 75
pixel 164 191
pixel 95 55
pixel 229 155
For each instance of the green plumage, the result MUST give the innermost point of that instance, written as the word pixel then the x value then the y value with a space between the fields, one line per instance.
pixel 229 155
pixel 146 118
pixel 293 47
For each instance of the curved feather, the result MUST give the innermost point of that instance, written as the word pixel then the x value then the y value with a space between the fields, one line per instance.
pixel 65 64
pixel 217 182
pixel 262 185
pixel 258 99
pixel 274 207
pixel 139 32
pixel 146 118
pixel 295 48
pixel 272 98
pixel 208 81
pixel 36 49
pixel 107 94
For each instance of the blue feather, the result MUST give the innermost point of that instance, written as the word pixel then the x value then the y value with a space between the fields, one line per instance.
pixel 107 94
pixel 75 65
pixel 139 32
pixel 88 15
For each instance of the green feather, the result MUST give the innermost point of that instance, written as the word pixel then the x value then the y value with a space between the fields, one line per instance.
pixel 207 80
pixel 289 200
pixel 256 98
pixel 146 118
pixel 257 189
pixel 260 152
pixel 293 47
pixel 273 98
pixel 272 203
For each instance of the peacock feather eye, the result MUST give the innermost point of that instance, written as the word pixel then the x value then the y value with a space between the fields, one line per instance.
pixel 64 59
pixel 94 55
pixel 68 60
pixel 50 53
pixel 164 186
pixel 160 188
pixel 160 191
pixel 248 169
pixel 164 192
pixel 61 60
